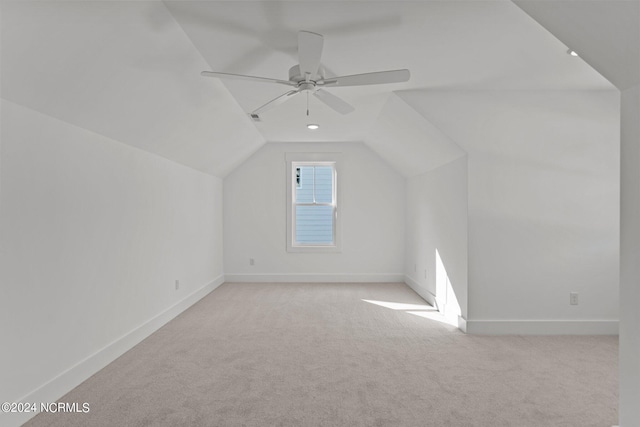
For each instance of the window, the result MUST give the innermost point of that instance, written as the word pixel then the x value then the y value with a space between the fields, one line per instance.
pixel 312 203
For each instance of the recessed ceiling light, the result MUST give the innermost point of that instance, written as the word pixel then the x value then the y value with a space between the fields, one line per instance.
pixel 312 126
pixel 572 52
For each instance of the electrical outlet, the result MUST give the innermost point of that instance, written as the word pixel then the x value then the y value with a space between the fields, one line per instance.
pixel 573 298
pixel 252 261
pixel 177 284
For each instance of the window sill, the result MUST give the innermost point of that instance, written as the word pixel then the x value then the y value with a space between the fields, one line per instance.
pixel 314 249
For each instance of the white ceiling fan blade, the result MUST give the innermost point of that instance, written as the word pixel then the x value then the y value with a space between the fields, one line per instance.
pixel 333 101
pixel 380 77
pixel 309 53
pixel 275 102
pixel 243 77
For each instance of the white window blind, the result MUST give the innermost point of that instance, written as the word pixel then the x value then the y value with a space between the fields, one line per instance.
pixel 314 204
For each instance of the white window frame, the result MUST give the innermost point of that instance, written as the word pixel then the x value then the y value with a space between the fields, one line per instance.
pixel 313 159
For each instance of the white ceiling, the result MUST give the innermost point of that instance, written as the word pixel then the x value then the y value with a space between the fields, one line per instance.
pixel 605 32
pixel 131 70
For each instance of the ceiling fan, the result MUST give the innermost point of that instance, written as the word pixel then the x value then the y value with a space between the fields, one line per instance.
pixel 308 76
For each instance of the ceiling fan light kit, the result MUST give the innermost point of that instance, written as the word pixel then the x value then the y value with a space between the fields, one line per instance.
pixel 308 76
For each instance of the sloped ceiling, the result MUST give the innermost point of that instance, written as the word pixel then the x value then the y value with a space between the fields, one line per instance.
pixel 118 69
pixel 614 52
pixel 131 70
pixel 408 141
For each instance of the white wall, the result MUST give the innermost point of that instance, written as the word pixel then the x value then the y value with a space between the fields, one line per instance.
pixel 436 220
pixel 372 214
pixel 543 206
pixel 607 35
pixel 94 233
pixel 630 260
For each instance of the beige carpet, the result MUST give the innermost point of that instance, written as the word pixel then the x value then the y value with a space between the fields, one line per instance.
pixel 318 355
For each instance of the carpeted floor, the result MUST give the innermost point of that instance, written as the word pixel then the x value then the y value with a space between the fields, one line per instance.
pixel 320 355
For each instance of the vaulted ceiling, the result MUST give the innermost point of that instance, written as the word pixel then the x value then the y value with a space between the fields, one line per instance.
pixel 131 70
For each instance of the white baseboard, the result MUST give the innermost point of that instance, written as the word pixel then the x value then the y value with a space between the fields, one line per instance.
pixel 522 327
pixel 462 324
pixel 54 389
pixel 542 327
pixel 424 293
pixel 315 278
pixel 431 299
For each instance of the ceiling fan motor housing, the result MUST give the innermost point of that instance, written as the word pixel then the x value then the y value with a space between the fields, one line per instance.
pixel 296 76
